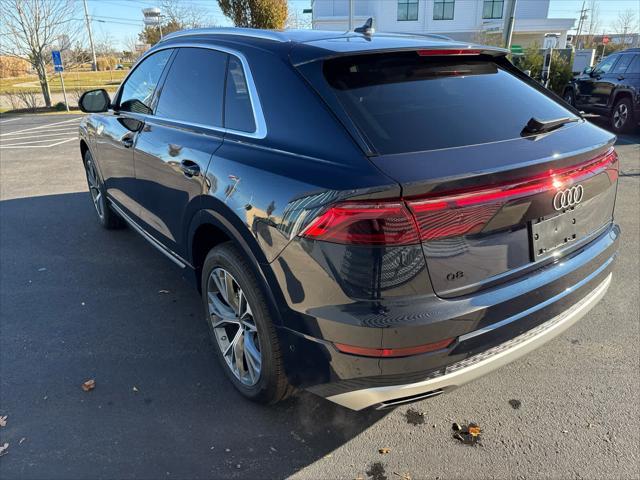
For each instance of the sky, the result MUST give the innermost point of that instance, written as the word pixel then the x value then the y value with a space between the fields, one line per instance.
pixel 122 19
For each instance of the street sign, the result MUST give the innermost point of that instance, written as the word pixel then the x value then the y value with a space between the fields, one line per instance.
pixel 57 61
pixel 605 40
pixel 517 49
pixel 57 66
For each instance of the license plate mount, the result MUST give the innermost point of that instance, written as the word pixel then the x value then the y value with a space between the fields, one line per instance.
pixel 552 233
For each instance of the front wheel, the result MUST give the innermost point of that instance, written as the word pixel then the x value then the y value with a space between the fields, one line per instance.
pixel 241 327
pixel 622 116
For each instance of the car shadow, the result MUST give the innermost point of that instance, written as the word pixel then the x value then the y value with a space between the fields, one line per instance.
pixel 79 302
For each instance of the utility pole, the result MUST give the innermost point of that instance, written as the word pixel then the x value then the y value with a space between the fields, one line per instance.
pixel 350 15
pixel 94 64
pixel 509 19
pixel 583 17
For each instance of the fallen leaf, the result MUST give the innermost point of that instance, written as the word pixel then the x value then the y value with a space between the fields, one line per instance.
pixel 135 389
pixel 474 430
pixel 384 450
pixel 3 421
pixel 467 434
pixel 89 385
pixel 22 440
pixel 3 449
pixel 403 476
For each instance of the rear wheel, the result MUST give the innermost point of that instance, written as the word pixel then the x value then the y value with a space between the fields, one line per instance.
pixel 107 217
pixel 622 116
pixel 241 327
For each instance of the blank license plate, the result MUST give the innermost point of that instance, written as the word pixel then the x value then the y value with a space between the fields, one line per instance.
pixel 549 234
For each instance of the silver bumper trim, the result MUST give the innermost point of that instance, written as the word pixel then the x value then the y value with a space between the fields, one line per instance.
pixel 481 364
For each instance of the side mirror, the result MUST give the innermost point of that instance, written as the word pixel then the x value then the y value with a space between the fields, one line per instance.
pixel 587 70
pixel 94 101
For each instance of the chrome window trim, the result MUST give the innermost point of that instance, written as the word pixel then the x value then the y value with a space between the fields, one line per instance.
pixel 258 116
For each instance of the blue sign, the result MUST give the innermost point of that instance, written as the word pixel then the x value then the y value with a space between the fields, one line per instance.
pixel 57 61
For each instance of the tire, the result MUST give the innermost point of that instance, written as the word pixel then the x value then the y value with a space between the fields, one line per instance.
pixel 569 97
pixel 622 120
pixel 245 324
pixel 106 216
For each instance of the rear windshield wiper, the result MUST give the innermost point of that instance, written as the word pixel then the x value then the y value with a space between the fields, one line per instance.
pixel 535 126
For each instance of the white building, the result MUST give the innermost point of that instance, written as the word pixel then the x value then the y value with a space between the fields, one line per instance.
pixel 465 20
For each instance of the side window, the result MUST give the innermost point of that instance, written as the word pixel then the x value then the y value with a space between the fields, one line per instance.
pixel 635 65
pixel 604 66
pixel 622 64
pixel 238 112
pixel 137 92
pixel 194 87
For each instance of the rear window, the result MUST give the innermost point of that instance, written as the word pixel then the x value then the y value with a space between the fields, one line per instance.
pixel 403 102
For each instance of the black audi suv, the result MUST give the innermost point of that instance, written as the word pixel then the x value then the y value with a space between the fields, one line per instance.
pixel 611 88
pixel 374 218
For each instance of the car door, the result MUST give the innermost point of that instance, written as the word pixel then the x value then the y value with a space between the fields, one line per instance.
pixel 622 76
pixel 116 130
pixel 586 84
pixel 604 83
pixel 176 144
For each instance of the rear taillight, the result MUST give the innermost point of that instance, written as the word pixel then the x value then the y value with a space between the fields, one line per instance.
pixel 365 224
pixel 451 214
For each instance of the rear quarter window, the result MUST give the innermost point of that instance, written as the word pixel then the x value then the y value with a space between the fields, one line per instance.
pixel 403 102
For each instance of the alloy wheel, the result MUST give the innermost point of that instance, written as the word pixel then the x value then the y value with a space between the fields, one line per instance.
pixel 620 116
pixel 235 330
pixel 94 188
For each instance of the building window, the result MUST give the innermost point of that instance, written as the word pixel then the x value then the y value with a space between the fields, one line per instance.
pixel 443 9
pixel 407 10
pixel 492 8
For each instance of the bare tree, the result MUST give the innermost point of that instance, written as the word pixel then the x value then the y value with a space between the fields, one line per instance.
pixel 626 25
pixel 30 30
pixel 185 13
pixel 298 20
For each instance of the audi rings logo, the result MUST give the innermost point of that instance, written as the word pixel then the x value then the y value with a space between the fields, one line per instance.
pixel 568 198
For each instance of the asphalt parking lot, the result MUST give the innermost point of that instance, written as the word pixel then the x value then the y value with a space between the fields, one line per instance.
pixel 78 302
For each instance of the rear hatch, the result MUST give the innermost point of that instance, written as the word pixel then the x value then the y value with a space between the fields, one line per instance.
pixel 491 197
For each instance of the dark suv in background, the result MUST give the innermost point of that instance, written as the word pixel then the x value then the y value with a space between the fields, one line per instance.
pixel 377 219
pixel 611 88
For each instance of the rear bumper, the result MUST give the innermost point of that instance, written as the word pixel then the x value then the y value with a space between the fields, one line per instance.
pixel 475 366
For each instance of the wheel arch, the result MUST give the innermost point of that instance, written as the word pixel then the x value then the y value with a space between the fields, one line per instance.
pixel 212 226
pixel 621 93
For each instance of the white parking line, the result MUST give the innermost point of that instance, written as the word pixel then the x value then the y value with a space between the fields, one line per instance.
pixel 51 134
pixel 2 122
pixel 47 125
pixel 63 128
pixel 39 146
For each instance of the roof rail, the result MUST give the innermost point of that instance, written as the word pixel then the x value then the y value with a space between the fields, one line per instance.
pixel 244 32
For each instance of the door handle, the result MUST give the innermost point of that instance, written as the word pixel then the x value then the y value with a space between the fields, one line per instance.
pixel 621 77
pixel 127 141
pixel 190 168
